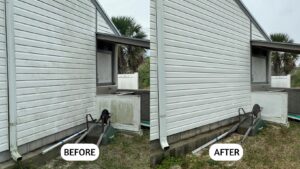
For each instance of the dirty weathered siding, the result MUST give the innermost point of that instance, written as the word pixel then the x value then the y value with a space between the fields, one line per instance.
pixel 102 25
pixel 153 75
pixel 55 58
pixel 3 82
pixel 256 34
pixel 207 62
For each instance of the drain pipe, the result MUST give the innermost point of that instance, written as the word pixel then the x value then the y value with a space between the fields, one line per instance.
pixel 11 69
pixel 161 75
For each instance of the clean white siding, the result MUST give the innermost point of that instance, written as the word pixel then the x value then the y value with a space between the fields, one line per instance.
pixel 102 25
pixel 153 75
pixel 56 73
pixel 3 83
pixel 256 34
pixel 207 56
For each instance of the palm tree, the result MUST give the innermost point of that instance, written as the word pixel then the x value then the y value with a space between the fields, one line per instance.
pixel 130 58
pixel 283 62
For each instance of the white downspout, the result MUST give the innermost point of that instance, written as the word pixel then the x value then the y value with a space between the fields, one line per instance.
pixel 161 75
pixel 11 69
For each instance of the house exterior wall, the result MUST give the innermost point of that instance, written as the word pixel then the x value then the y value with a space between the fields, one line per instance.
pixel 207 62
pixel 3 82
pixel 102 26
pixel 56 66
pixel 256 34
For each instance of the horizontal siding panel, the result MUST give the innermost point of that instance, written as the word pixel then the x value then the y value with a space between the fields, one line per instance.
pixel 232 9
pixel 47 83
pixel 204 120
pixel 3 110
pixel 54 107
pixel 194 34
pixel 203 70
pixel 51 46
pixel 3 115
pixel 200 86
pixel 206 16
pixel 66 98
pixel 191 46
pixel 256 34
pixel 207 90
pixel 23 51
pixel 52 64
pixel 33 77
pixel 203 64
pixel 61 40
pixel 48 89
pixel 2 59
pixel 69 8
pixel 50 95
pixel 207 110
pixel 52 71
pixel 176 35
pixel 3 69
pixel 48 114
pixel 54 120
pixel 190 99
pixel 209 58
pixel 205 80
pixel 69 123
pixel 3 131
pixel 56 71
pixel 2 46
pixel 102 25
pixel 43 9
pixel 207 63
pixel 36 22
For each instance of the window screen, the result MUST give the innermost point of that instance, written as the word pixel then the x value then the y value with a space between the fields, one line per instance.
pixel 104 67
pixel 259 69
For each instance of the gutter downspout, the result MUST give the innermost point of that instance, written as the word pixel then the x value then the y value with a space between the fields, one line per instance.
pixel 161 75
pixel 11 69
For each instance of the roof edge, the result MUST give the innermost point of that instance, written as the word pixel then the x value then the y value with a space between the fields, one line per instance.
pixel 124 40
pixel 277 46
pixel 252 19
pixel 102 12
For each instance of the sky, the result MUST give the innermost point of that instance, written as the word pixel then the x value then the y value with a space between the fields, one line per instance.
pixel 138 9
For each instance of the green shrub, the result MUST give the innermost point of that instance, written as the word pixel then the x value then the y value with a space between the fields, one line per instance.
pixel 144 74
pixel 296 78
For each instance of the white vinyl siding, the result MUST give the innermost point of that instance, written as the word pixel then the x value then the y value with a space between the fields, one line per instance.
pixel 256 34
pixel 3 82
pixel 56 65
pixel 207 57
pixel 153 75
pixel 102 25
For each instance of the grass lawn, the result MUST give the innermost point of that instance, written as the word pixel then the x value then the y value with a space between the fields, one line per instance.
pixel 125 152
pixel 274 147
